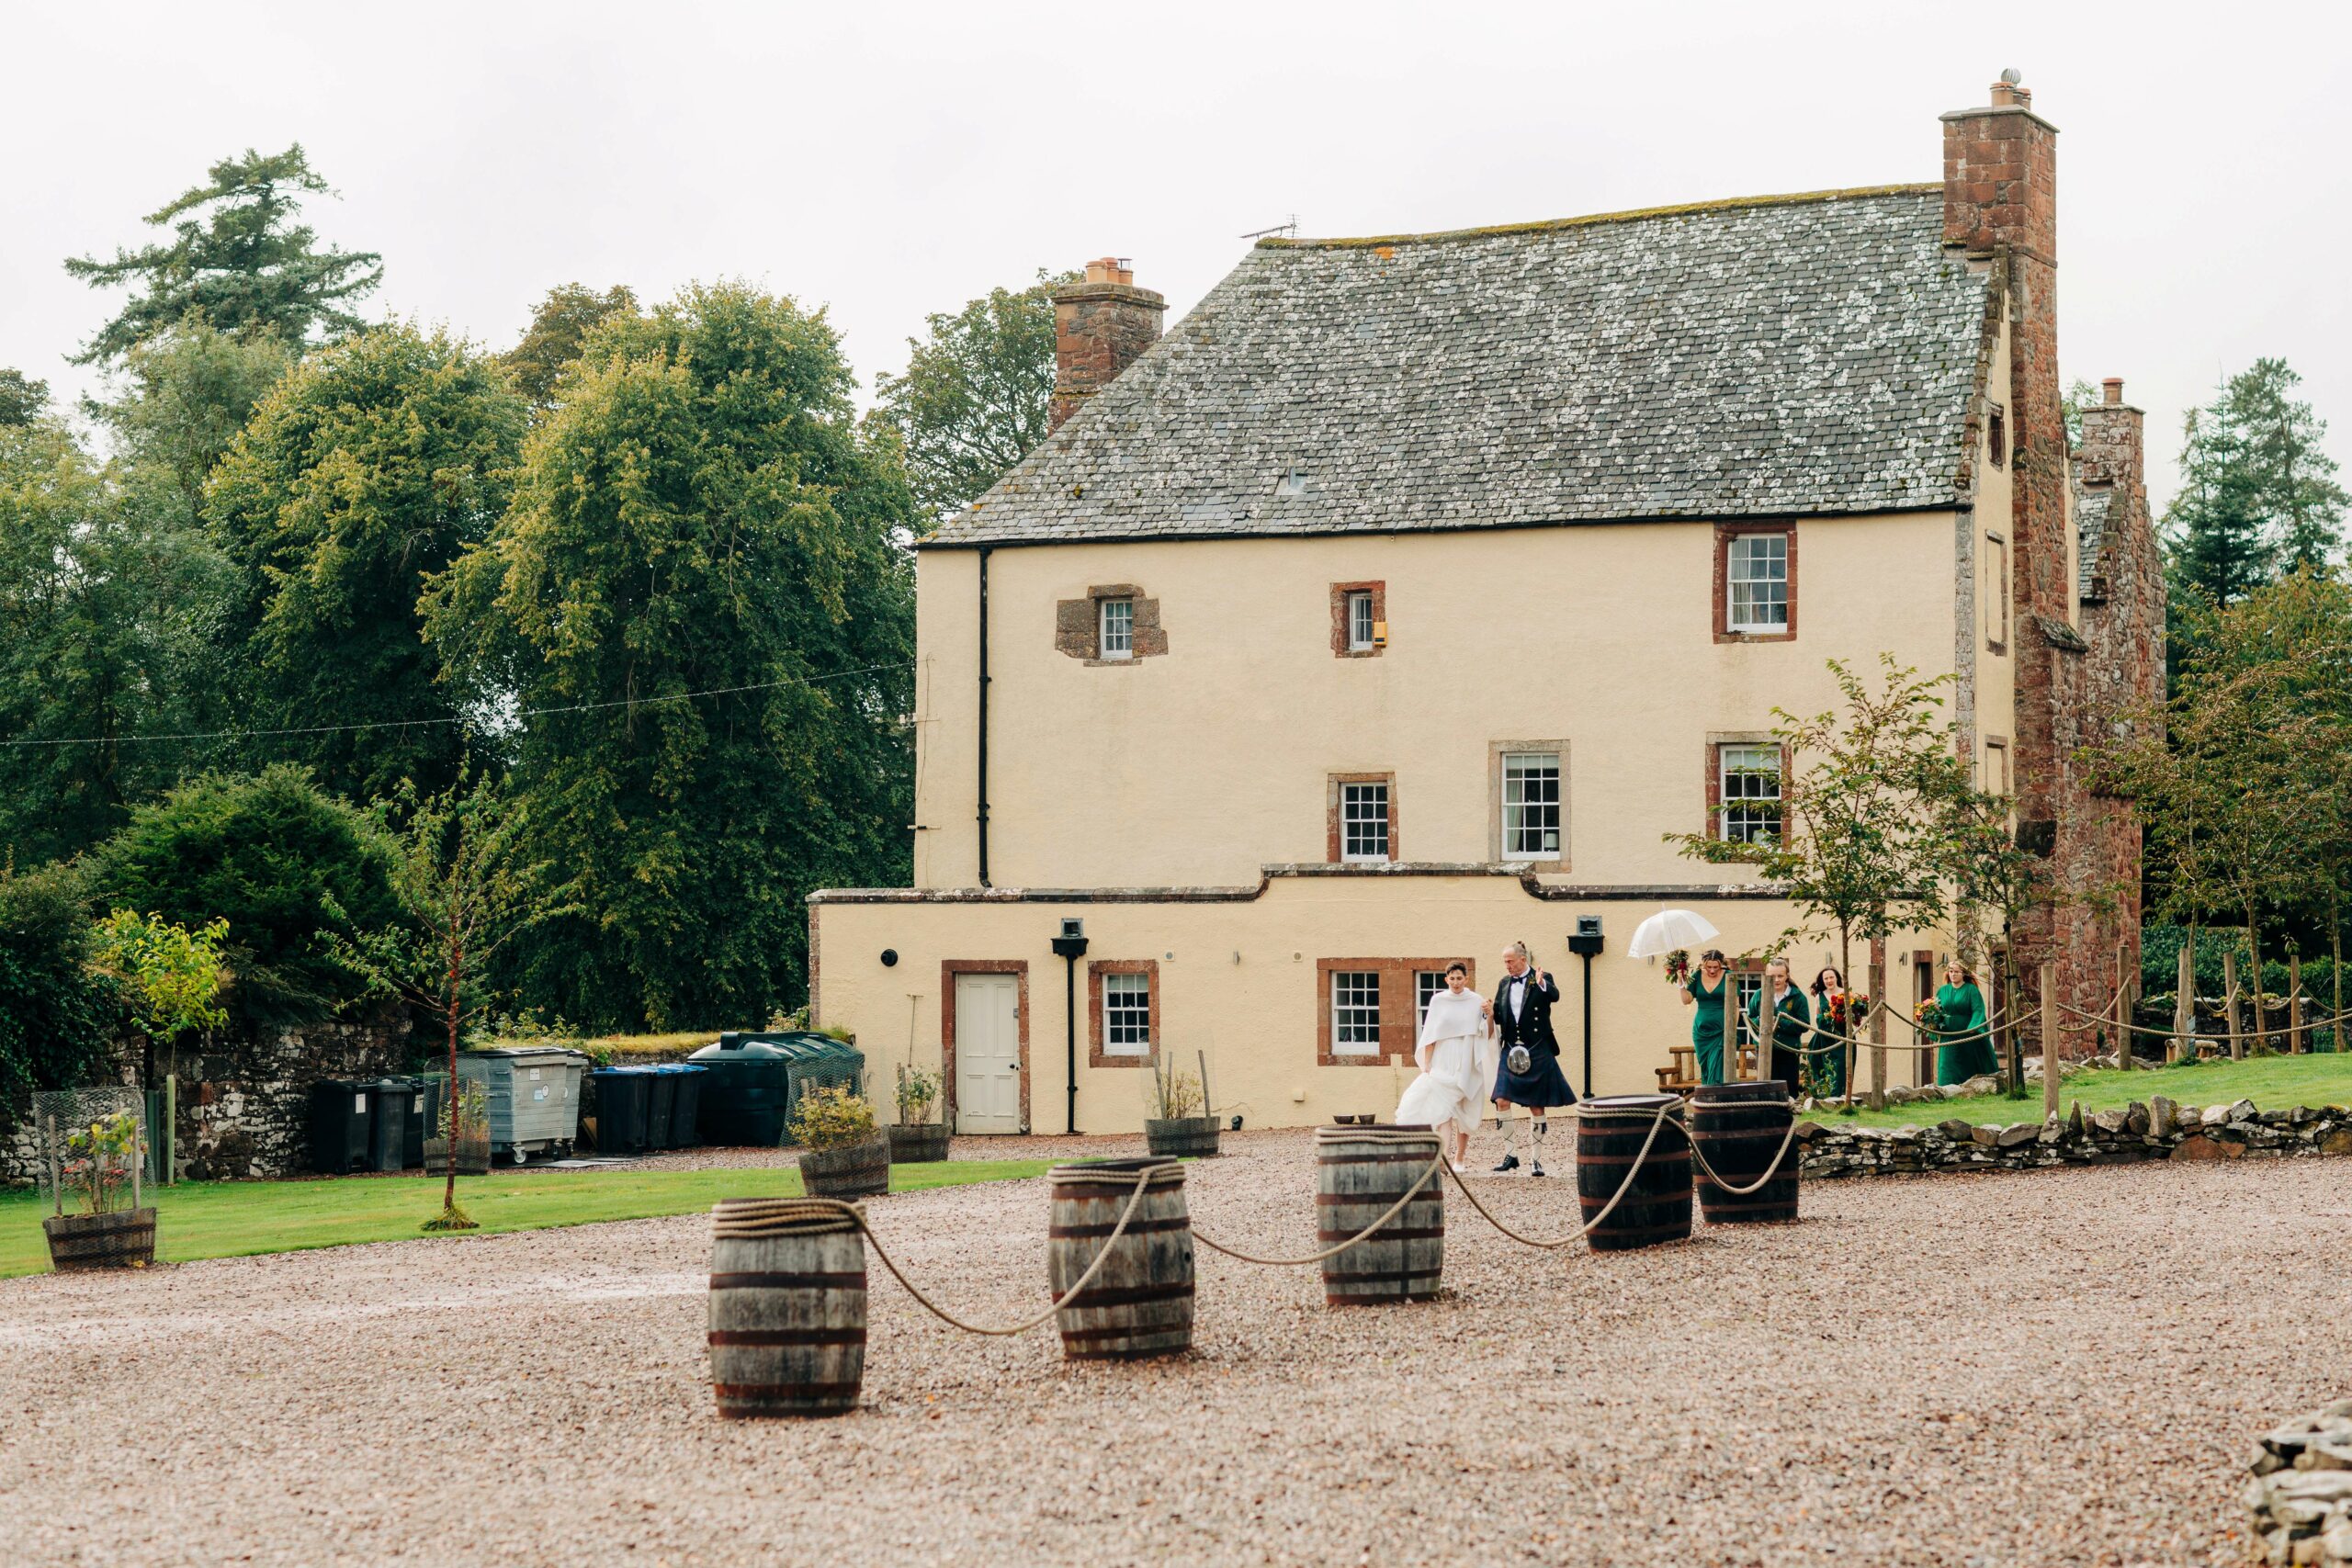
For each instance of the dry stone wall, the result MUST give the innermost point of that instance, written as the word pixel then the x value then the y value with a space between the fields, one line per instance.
pixel 2158 1130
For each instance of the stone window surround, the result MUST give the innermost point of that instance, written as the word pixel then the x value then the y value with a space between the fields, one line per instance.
pixel 1496 752
pixel 1994 588
pixel 2004 782
pixel 1339 592
pixel 948 969
pixel 1398 1026
pixel 1716 741
pixel 1077 626
pixel 1724 534
pixel 1333 845
pixel 1096 1057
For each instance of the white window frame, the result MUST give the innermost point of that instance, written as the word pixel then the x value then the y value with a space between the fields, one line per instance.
pixel 1747 986
pixel 1514 845
pixel 1354 817
pixel 1360 621
pixel 1355 1022
pixel 1427 983
pixel 1738 760
pixel 1737 586
pixel 1116 629
pixel 1126 1014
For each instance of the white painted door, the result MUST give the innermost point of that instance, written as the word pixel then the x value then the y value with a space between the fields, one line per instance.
pixel 988 1054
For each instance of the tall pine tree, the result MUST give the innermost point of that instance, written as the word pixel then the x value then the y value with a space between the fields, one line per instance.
pixel 2258 495
pixel 239 256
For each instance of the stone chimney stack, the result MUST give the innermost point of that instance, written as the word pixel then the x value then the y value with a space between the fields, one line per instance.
pixel 1100 326
pixel 2112 452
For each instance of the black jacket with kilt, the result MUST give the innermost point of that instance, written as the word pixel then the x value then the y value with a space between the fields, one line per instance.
pixel 1542 1083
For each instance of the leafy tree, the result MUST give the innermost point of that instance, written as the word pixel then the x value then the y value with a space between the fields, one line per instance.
pixel 466 893
pixel 2079 395
pixel 294 871
pixel 2258 495
pixel 977 392
pixel 1866 848
pixel 105 633
pixel 54 1009
pixel 239 256
pixel 559 325
pixel 696 610
pixel 22 399
pixel 2242 776
pixel 368 469
pixel 169 976
pixel 182 397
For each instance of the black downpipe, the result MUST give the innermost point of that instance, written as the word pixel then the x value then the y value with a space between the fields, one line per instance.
pixel 1069 1012
pixel 1587 1026
pixel 984 716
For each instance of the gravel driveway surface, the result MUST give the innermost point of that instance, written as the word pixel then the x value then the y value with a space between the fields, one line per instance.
pixel 2066 1367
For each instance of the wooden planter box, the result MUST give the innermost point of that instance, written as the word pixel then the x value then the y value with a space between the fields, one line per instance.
pixel 918 1144
pixel 858 1171
pixel 473 1156
pixel 1183 1138
pixel 123 1239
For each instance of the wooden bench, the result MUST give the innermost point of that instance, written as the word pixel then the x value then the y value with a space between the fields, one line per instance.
pixel 1683 1076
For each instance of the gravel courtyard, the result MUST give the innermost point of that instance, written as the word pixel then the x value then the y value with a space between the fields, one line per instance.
pixel 2059 1368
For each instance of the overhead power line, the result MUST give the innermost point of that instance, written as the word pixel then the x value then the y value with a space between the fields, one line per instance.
pixel 452 718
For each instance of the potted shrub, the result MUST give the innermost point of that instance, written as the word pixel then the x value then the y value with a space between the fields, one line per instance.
pixel 114 1230
pixel 1179 1123
pixel 918 1138
pixel 469 1109
pixel 847 1156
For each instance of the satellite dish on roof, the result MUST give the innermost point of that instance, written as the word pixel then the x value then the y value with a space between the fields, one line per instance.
pixel 2013 76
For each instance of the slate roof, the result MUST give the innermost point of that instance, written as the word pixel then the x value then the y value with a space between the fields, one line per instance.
pixel 1783 356
pixel 2090 533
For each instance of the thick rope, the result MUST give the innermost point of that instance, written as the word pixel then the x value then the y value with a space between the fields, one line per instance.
pixel 1364 1235
pixel 1757 1185
pixel 2105 1016
pixel 2309 1026
pixel 1588 1226
pixel 1135 1200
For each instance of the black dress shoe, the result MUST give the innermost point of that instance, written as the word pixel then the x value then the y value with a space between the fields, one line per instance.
pixel 1510 1162
pixel 1538 1166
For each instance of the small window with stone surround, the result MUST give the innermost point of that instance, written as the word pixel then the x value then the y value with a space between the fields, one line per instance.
pixel 1359 619
pixel 1755 583
pixel 1115 624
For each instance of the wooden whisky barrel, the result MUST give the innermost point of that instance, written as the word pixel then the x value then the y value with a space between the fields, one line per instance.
pixel 787 1308
pixel 121 1238
pixel 856 1170
pixel 1360 1172
pixel 1141 1302
pixel 1740 1127
pixel 1657 1208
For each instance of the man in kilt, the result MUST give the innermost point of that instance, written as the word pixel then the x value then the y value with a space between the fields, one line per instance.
pixel 1530 1074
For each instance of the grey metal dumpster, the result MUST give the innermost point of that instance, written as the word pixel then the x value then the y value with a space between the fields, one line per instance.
pixel 534 1097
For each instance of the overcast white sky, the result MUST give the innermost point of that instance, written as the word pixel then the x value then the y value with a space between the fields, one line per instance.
pixel 887 161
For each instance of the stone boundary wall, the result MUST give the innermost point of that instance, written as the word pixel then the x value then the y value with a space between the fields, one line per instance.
pixel 244 1109
pixel 2158 1130
pixel 2300 1496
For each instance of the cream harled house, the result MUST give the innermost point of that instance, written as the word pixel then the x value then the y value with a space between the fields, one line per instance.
pixel 1399 601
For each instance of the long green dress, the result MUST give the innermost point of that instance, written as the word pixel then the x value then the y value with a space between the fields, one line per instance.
pixel 1828 1060
pixel 1961 1010
pixel 1790 1021
pixel 1707 1025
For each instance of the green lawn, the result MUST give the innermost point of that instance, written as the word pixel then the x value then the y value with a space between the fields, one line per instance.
pixel 2272 1083
pixel 231 1219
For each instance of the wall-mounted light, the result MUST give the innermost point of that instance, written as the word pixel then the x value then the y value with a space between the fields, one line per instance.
pixel 889 958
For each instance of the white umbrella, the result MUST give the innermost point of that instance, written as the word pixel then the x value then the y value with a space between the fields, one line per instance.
pixel 1668 930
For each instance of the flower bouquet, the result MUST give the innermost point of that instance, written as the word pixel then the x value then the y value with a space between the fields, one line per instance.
pixel 1927 1015
pixel 1677 966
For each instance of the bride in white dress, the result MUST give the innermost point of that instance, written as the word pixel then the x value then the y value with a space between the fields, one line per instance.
pixel 1457 1073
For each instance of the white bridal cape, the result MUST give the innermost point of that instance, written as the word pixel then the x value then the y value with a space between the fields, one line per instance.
pixel 1457 1061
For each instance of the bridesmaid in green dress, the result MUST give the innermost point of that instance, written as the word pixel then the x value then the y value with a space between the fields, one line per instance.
pixel 1707 991
pixel 1959 1010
